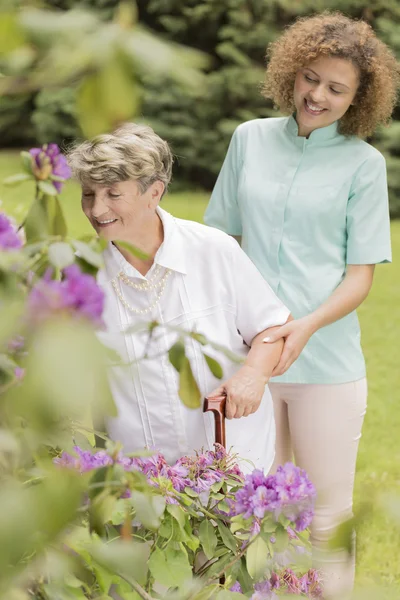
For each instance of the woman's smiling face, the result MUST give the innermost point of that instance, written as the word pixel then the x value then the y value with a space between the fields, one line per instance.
pixel 323 91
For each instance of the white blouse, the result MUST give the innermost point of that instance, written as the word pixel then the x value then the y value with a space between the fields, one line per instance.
pixel 212 288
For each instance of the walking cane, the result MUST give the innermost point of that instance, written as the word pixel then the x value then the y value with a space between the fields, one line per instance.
pixel 217 406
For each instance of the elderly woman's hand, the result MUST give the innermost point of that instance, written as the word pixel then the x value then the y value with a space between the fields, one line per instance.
pixel 244 392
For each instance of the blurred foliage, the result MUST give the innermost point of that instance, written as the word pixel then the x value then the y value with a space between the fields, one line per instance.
pixel 198 120
pixel 75 524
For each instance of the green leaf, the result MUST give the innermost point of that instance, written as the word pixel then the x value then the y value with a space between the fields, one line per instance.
pixel 191 493
pixel 170 567
pixel 88 254
pixel 282 539
pixel 227 595
pixel 177 513
pixel 206 593
pixel 214 366
pixel 11 35
pixel 31 517
pixel 99 476
pixel 47 188
pixel 256 558
pixel 148 508
pixel 18 178
pixel 188 390
pixel 208 538
pixel 269 526
pixel 36 222
pixel 176 355
pixel 107 97
pixel 26 160
pixel 227 537
pixel 100 512
pixel 199 337
pixel 219 565
pixel 61 255
pixel 128 558
pixel 133 250
pixel 59 224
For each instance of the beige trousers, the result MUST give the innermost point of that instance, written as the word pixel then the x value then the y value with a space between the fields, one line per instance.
pixel 320 425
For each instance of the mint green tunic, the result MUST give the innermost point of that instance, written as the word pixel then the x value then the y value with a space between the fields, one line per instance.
pixel 306 208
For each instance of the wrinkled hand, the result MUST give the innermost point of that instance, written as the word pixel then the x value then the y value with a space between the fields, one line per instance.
pixel 243 391
pixel 296 334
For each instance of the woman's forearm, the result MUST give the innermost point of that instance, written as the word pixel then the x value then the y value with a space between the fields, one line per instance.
pixel 264 357
pixel 347 297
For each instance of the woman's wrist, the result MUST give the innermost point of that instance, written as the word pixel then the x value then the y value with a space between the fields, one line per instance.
pixel 253 372
pixel 313 322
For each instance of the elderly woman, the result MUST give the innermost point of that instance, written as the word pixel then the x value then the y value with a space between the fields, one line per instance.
pixel 192 277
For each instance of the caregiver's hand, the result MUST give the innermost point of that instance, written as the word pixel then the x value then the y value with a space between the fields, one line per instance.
pixel 243 391
pixel 296 334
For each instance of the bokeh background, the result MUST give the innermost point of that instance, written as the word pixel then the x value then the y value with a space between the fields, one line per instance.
pixel 192 69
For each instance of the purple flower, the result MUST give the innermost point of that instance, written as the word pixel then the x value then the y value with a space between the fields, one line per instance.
pixel 84 460
pixel 9 239
pixel 263 591
pixel 47 161
pixel 304 519
pixel 292 582
pixel 16 345
pixel 77 294
pixel 289 491
pixel 275 581
pixel 89 461
pixel 236 588
pixel 178 477
pixel 314 584
pixel 255 528
pixel 19 373
pixel 66 460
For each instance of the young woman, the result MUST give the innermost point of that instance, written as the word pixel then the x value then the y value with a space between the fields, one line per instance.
pixel 308 198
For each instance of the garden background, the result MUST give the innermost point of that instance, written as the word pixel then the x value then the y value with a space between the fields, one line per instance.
pixel 198 121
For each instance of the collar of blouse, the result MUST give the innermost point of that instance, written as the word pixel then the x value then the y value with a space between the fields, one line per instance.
pixel 318 136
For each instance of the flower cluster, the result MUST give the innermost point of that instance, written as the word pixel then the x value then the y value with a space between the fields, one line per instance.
pixel 307 585
pixel 289 491
pixel 198 472
pixel 48 162
pixel 77 294
pixel 9 239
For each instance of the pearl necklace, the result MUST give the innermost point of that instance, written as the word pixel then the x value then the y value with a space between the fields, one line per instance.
pixel 146 286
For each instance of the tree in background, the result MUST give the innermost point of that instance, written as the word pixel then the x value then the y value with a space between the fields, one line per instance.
pixel 199 120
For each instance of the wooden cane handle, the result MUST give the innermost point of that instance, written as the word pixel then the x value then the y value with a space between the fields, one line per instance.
pixel 217 406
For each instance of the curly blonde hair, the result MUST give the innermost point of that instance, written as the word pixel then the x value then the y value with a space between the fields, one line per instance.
pixel 131 152
pixel 334 34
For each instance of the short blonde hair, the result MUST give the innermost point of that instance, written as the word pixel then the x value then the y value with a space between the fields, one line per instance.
pixel 334 34
pixel 131 152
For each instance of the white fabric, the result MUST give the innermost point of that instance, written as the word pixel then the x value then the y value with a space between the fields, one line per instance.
pixel 213 289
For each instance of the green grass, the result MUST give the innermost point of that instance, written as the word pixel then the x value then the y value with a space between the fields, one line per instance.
pixel 378 472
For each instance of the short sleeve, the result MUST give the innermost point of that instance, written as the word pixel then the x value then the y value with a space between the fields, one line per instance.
pixel 223 209
pixel 257 306
pixel 368 221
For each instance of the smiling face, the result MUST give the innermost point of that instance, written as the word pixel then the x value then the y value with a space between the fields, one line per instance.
pixel 323 91
pixel 120 211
